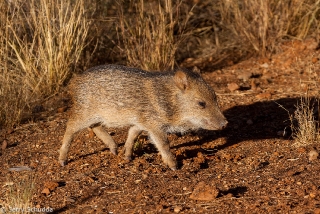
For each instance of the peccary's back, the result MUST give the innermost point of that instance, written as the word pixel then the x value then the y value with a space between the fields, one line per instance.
pixel 118 87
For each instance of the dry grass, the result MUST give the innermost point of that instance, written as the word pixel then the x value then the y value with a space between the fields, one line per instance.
pixel 304 125
pixel 263 23
pixel 40 44
pixel 41 41
pixel 18 194
pixel 146 33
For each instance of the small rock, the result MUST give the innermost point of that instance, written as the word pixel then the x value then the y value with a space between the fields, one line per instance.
pixel 245 76
pixel 265 65
pixel 316 211
pixel 62 109
pixel 233 86
pixel 45 191
pixel 313 155
pixel 137 181
pixel 177 209
pixel 265 95
pixel 144 176
pixel 229 195
pixel 4 145
pixel 204 192
pixel 312 195
pixel 315 60
pixel 33 165
pixel 311 44
pixel 290 173
pixel 69 199
pixel 51 185
pixel 301 150
pixel 249 122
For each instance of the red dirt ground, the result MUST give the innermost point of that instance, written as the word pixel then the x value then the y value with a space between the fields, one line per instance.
pixel 249 167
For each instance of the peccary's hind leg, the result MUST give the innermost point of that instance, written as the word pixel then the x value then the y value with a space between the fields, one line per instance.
pixel 106 138
pixel 133 133
pixel 73 127
pixel 160 140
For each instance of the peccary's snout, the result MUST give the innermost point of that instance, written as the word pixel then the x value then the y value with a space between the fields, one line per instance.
pixel 223 123
pixel 216 122
pixel 220 122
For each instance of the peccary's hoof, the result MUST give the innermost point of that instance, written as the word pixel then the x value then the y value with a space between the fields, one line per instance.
pixel 127 158
pixel 114 151
pixel 173 168
pixel 63 162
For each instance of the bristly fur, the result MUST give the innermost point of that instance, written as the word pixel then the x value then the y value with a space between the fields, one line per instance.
pixel 156 102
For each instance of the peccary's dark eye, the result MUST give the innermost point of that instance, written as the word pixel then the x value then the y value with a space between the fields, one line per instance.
pixel 202 104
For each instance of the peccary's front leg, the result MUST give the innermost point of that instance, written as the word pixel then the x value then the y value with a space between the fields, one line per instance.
pixel 160 140
pixel 103 135
pixel 73 127
pixel 68 136
pixel 133 133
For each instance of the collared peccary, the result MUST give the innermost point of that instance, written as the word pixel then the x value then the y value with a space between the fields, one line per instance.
pixel 156 102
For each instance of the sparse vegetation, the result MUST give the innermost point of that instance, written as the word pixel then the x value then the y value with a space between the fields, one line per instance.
pixel 304 124
pixel 263 24
pixel 251 163
pixel 147 34
pixel 40 44
pixel 19 194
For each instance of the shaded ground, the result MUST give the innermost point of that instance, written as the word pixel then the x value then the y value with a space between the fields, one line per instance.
pixel 249 167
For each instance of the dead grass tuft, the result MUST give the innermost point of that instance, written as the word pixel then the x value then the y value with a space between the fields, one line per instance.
pixel 262 23
pixel 147 33
pixel 305 127
pixel 40 44
pixel 19 194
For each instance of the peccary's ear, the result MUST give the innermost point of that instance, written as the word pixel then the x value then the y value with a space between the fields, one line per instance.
pixel 181 80
pixel 195 69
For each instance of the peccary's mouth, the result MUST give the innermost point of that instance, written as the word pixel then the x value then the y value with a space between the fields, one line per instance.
pixel 215 125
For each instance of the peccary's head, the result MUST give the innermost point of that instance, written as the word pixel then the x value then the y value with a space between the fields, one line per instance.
pixel 198 102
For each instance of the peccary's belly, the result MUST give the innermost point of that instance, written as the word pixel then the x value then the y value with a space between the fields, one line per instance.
pixel 118 117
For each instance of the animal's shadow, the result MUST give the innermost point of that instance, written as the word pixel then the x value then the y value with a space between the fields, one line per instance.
pixel 256 121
